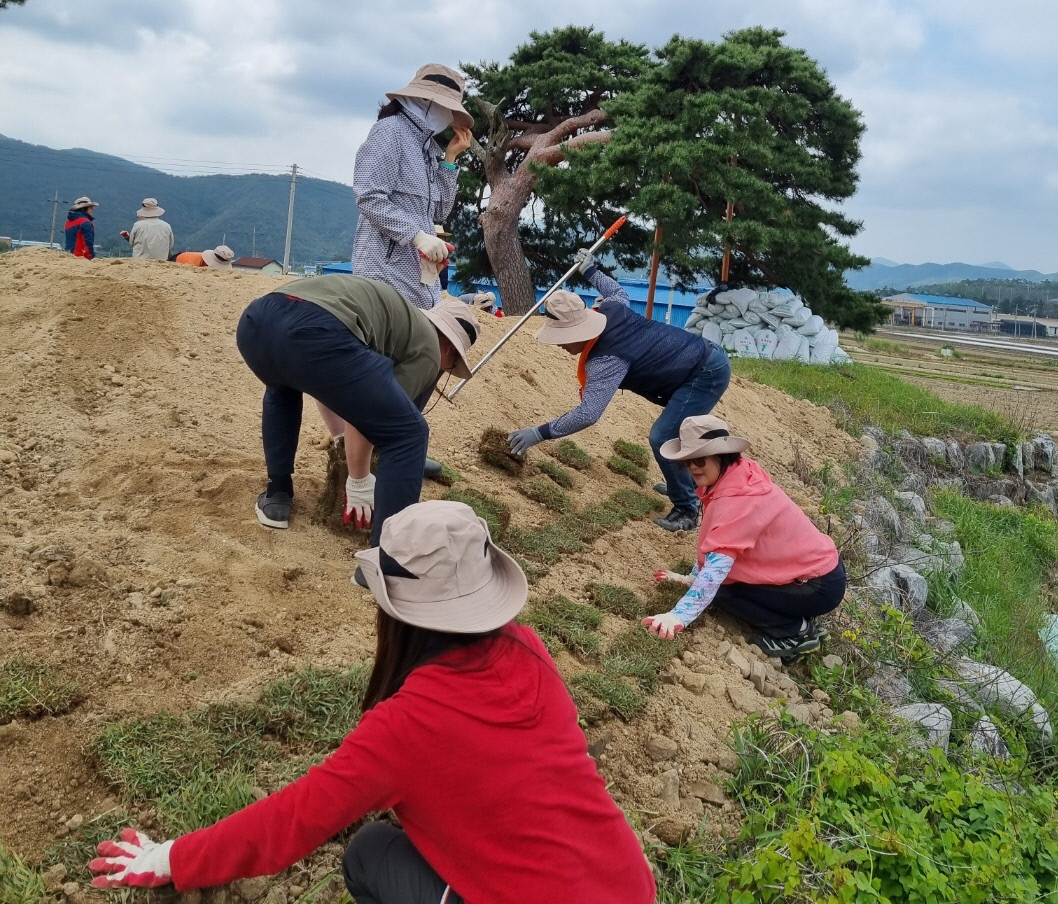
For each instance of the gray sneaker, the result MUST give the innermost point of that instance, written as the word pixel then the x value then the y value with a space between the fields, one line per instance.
pixel 662 489
pixel 274 510
pixel 788 649
pixel 431 468
pixel 678 519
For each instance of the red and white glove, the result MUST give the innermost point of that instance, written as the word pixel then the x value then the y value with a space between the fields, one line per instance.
pixel 135 860
pixel 684 579
pixel 666 625
pixel 359 501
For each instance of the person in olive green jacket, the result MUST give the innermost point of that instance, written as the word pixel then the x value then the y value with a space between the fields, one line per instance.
pixel 358 347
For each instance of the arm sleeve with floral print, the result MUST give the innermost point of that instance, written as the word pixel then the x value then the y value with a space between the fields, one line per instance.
pixel 700 594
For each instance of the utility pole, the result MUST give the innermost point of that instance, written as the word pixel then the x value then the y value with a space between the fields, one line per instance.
pixel 55 202
pixel 254 252
pixel 290 218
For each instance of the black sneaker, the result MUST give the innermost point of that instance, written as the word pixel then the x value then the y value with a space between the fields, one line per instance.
pixel 788 649
pixel 431 468
pixel 274 510
pixel 662 489
pixel 818 629
pixel 678 519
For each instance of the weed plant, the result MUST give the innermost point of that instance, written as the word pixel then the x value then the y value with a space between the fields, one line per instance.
pixel 542 490
pixel 623 466
pixel 622 601
pixel 562 622
pixel 18 883
pixel 861 395
pixel 30 691
pixel 496 514
pixel 638 455
pixel 556 472
pixel 571 455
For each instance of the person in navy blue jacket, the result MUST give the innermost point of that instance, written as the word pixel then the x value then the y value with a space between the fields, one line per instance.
pixel 619 349
pixel 80 231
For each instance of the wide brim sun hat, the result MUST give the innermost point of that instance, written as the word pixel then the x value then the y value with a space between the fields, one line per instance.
pixel 569 320
pixel 150 208
pixel 82 203
pixel 456 323
pixel 700 436
pixel 219 258
pixel 442 86
pixel 437 567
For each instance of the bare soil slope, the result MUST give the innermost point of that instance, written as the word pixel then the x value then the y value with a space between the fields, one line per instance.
pixel 133 563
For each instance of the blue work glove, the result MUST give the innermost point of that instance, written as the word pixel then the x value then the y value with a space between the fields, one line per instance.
pixel 521 441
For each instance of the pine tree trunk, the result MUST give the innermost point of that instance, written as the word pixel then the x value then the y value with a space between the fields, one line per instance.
pixel 499 225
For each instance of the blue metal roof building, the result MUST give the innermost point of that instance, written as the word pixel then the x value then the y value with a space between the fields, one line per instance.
pixel 939 311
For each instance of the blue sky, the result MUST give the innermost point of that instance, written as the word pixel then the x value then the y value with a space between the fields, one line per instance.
pixel 960 158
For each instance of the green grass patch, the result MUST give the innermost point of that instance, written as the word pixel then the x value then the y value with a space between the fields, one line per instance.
pixel 542 490
pixel 1009 554
pixel 448 476
pixel 638 455
pixel 561 621
pixel 571 455
pixel 18 883
pixel 635 504
pixel 546 544
pixel 598 695
pixel 622 601
pixel 495 513
pixel 637 654
pixel 666 595
pixel 556 472
pixel 31 691
pixel 493 449
pixel 861 395
pixel 624 467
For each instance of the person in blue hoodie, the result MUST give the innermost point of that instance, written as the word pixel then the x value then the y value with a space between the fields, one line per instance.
pixel 619 349
pixel 80 230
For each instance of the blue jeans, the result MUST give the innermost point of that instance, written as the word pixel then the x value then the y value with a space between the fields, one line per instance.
pixel 296 347
pixel 697 396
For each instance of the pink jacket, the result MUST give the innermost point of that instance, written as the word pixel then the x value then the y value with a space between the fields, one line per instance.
pixel 749 518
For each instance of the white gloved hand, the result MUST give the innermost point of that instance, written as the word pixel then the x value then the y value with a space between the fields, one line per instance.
pixel 584 259
pixel 685 579
pixel 666 625
pixel 359 501
pixel 134 860
pixel 430 246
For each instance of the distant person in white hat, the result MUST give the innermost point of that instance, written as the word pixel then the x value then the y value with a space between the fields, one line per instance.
pixel 218 258
pixel 468 734
pixel 356 346
pixel 760 557
pixel 619 349
pixel 151 237
pixel 80 228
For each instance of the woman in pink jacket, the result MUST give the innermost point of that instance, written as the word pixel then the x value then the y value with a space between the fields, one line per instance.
pixel 469 735
pixel 759 555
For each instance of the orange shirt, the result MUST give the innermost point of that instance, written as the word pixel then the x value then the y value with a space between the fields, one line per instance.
pixel 194 258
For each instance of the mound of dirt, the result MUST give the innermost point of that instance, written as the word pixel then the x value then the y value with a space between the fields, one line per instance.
pixel 130 456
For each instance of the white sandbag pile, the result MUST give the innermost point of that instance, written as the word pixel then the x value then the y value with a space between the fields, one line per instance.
pixel 773 325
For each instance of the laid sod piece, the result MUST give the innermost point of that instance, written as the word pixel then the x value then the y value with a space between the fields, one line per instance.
pixel 623 466
pixel 621 696
pixel 542 490
pixel 533 570
pixel 447 477
pixel 31 691
pixel 560 620
pixel 494 450
pixel 556 472
pixel 636 653
pixel 496 514
pixel 571 455
pixel 315 707
pixel 635 504
pixel 623 601
pixel 546 544
pixel 666 595
pixel 638 455
pixel 595 520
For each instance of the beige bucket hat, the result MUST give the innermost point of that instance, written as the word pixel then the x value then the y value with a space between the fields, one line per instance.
pixel 484 301
pixel 436 567
pixel 441 85
pixel 219 258
pixel 700 435
pixel 150 208
pixel 455 321
pixel 569 320
pixel 83 203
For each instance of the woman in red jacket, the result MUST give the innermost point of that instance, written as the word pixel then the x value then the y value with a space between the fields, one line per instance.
pixel 760 557
pixel 468 734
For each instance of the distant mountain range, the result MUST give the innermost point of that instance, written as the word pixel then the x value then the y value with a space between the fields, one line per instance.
pixel 882 273
pixel 247 212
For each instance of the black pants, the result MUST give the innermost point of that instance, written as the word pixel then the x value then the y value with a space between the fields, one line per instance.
pixel 381 866
pixel 295 347
pixel 779 610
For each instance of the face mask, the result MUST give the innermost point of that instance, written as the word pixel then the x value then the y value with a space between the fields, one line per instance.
pixel 435 117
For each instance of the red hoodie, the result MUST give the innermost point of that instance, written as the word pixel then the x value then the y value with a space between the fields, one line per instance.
pixel 773 542
pixel 491 779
